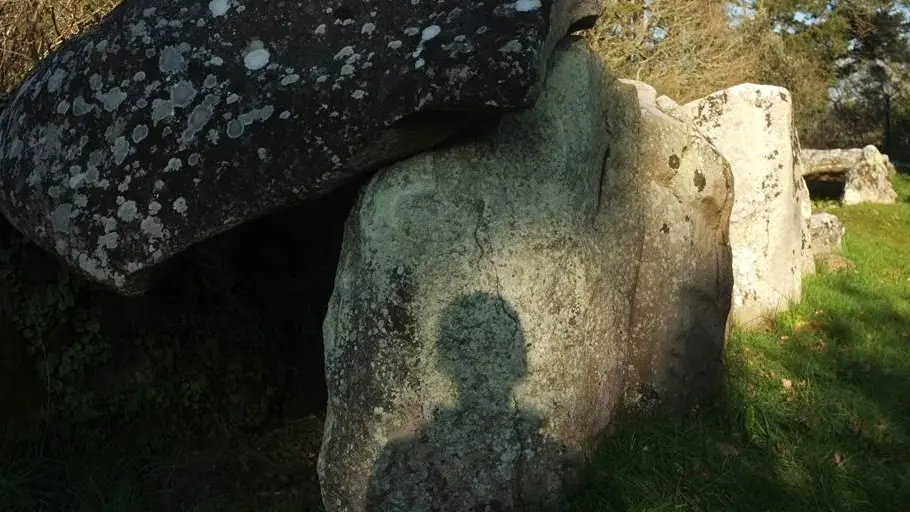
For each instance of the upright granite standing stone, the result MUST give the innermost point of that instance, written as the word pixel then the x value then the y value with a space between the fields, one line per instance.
pixel 807 255
pixel 752 126
pixel 174 120
pixel 684 275
pixel 498 299
pixel 828 232
pixel 869 180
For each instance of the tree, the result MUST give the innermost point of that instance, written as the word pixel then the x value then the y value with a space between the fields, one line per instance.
pixel 684 48
pixel 860 52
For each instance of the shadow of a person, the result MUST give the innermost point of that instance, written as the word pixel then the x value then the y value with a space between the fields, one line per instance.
pixel 486 454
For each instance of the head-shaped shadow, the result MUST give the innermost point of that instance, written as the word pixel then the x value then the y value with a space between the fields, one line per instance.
pixel 480 346
pixel 484 454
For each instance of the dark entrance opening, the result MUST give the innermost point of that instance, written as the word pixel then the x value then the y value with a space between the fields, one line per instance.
pixel 826 186
pixel 277 274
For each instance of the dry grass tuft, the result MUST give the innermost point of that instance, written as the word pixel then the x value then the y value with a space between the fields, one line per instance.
pixel 30 29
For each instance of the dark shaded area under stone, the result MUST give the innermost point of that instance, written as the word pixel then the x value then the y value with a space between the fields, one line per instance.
pixel 239 316
pixel 826 186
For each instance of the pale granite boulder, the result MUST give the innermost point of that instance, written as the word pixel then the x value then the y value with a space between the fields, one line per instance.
pixel 497 300
pixel 752 126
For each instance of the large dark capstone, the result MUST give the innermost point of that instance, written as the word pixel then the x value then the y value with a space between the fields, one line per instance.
pixel 174 120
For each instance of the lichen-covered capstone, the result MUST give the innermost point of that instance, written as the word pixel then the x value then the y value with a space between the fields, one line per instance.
pixel 171 121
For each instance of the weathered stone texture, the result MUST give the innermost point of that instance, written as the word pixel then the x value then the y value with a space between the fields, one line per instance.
pixel 171 121
pixel 828 234
pixel 684 277
pixel 752 127
pixel 498 299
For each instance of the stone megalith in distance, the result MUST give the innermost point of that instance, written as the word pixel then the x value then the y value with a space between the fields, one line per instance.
pixel 173 120
pixel 752 126
pixel 498 299
pixel 865 173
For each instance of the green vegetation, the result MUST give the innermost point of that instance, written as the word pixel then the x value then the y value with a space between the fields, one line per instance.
pixel 816 415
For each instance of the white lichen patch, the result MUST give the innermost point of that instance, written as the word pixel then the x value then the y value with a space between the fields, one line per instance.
pixel 527 5
pixel 113 99
pixel 512 46
pixel 179 205
pixel 182 93
pixel 219 7
pixel 81 107
pixel 234 129
pixel 171 61
pixel 127 211
pixel 290 79
pixel 120 150
pixel 430 32
pixel 56 80
pixel 161 109
pixel 196 121
pixel 152 227
pixel 174 164
pixel 344 53
pixel 256 59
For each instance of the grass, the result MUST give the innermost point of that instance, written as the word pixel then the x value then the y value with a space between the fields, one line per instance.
pixel 816 415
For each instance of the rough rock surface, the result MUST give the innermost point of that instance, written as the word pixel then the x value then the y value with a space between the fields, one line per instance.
pixel 489 295
pixel 806 255
pixel 820 161
pixel 171 121
pixel 684 277
pixel 866 172
pixel 752 127
pixel 827 233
